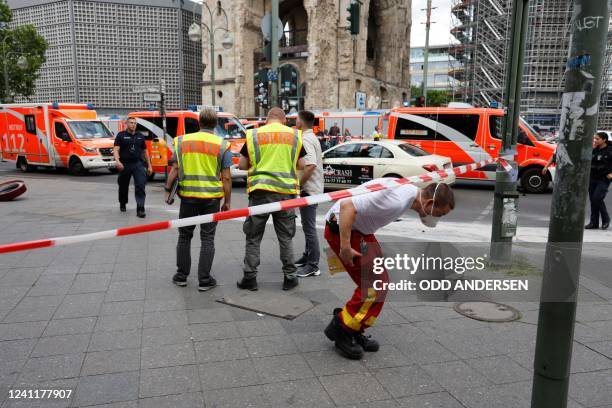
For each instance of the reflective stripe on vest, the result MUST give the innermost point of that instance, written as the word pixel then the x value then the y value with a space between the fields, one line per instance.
pixel 200 157
pixel 273 160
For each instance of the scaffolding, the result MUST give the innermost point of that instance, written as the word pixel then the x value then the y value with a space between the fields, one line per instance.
pixel 482 30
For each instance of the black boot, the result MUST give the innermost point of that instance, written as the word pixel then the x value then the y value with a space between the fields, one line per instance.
pixel 367 342
pixel 290 283
pixel 591 226
pixel 140 212
pixel 247 284
pixel 331 331
pixel 343 339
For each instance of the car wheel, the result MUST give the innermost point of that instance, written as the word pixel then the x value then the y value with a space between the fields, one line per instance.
pixel 533 181
pixel 23 165
pixel 393 175
pixel 76 167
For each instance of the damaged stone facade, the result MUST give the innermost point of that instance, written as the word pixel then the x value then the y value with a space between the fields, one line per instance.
pixel 324 65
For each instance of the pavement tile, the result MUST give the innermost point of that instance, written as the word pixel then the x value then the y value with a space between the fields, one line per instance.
pixel 21 276
pixel 86 283
pixel 386 356
pixel 96 268
pixel 121 308
pixel 602 347
pixel 435 400
pixel 500 369
pixel 455 374
pixel 12 350
pixel 112 361
pixel 63 384
pixel 51 368
pixel 127 290
pixel 282 368
pixel 80 305
pixel 299 393
pixel 220 350
pixel 328 362
pixel 406 381
pixel 316 341
pixel 271 346
pixel 591 389
pixel 123 404
pixel 115 340
pixel 584 359
pixel 107 388
pixel 214 331
pixel 119 322
pixel 10 296
pixel 260 327
pixel 15 331
pixel 168 355
pixel 57 345
pixel 215 315
pixel 9 371
pixel 305 324
pixel 424 352
pixel 167 318
pixel 354 388
pixel 78 325
pixel 241 397
pixel 514 395
pixel 49 285
pixel 161 305
pixel 33 308
pixel 169 380
pixel 228 374
pixel 466 347
pixel 186 400
pixel 160 336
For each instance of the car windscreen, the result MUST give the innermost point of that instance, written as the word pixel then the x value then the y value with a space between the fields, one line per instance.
pixel 535 133
pixel 412 150
pixel 230 128
pixel 87 129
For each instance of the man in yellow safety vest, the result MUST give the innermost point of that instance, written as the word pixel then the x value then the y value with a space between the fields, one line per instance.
pixel 272 156
pixel 202 162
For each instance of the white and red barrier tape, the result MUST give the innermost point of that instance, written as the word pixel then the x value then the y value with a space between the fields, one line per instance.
pixel 247 211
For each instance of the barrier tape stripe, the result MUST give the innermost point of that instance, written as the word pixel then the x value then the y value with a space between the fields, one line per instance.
pixel 245 212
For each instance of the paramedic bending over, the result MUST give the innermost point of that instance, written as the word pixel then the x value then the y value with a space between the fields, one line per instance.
pixel 349 231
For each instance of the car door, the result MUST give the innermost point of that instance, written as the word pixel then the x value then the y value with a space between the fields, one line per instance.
pixel 61 141
pixel 337 163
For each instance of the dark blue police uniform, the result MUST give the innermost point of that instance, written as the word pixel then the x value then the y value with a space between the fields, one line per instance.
pixel 131 148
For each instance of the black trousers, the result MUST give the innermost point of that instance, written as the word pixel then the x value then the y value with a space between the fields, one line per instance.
pixel 136 170
pixel 597 194
pixel 192 208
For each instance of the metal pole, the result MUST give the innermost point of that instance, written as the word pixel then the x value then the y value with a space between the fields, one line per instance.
pixel 7 95
pixel 274 51
pixel 557 315
pixel 426 51
pixel 505 182
pixel 212 62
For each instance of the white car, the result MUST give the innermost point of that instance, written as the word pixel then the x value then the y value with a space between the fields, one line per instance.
pixel 353 163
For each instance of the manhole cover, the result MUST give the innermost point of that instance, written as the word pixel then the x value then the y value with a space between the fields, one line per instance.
pixel 488 311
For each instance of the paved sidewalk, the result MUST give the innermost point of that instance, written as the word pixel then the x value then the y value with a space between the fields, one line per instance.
pixel 103 320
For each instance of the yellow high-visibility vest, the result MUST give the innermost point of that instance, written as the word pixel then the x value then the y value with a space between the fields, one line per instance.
pixel 273 155
pixel 199 158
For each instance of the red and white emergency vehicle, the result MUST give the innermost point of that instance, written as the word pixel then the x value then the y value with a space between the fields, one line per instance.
pixel 467 135
pixel 55 135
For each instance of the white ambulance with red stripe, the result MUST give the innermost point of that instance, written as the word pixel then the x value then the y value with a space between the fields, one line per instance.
pixel 55 135
pixel 467 135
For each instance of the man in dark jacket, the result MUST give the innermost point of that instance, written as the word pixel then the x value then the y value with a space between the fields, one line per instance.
pixel 601 175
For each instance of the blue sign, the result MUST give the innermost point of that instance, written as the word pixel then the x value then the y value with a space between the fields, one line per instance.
pixel 360 100
pixel 272 75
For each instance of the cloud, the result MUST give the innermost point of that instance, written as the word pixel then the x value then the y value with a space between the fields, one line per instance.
pixel 440 31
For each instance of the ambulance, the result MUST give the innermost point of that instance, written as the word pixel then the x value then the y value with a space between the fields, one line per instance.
pixel 55 135
pixel 358 123
pixel 466 134
pixel 182 122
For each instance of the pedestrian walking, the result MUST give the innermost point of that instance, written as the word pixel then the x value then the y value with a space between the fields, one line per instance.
pixel 131 157
pixel 350 227
pixel 272 155
pixel 311 183
pixel 601 176
pixel 202 163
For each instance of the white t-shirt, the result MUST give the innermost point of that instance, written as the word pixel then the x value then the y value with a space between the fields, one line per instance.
pixel 312 147
pixel 377 209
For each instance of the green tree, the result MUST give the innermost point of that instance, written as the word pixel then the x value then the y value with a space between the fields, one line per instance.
pixel 434 97
pixel 22 41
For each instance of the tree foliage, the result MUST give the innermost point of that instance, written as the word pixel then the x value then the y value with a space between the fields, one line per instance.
pixel 14 43
pixel 434 97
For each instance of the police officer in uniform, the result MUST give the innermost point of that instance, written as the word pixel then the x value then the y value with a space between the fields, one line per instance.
pixel 601 176
pixel 202 162
pixel 131 155
pixel 271 155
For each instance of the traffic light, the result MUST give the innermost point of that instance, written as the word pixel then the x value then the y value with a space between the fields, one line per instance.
pixel 353 17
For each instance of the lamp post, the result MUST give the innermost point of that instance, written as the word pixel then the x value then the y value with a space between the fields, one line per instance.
pixel 195 35
pixel 22 63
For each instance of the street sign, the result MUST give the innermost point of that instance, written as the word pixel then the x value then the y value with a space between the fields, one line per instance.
pixel 266 28
pixel 360 100
pixel 151 88
pixel 272 75
pixel 151 97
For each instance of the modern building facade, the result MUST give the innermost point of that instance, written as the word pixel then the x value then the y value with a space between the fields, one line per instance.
pixel 482 28
pixel 321 65
pixel 99 50
pixel 439 64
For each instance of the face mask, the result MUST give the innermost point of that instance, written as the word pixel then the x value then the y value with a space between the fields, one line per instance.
pixel 429 220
